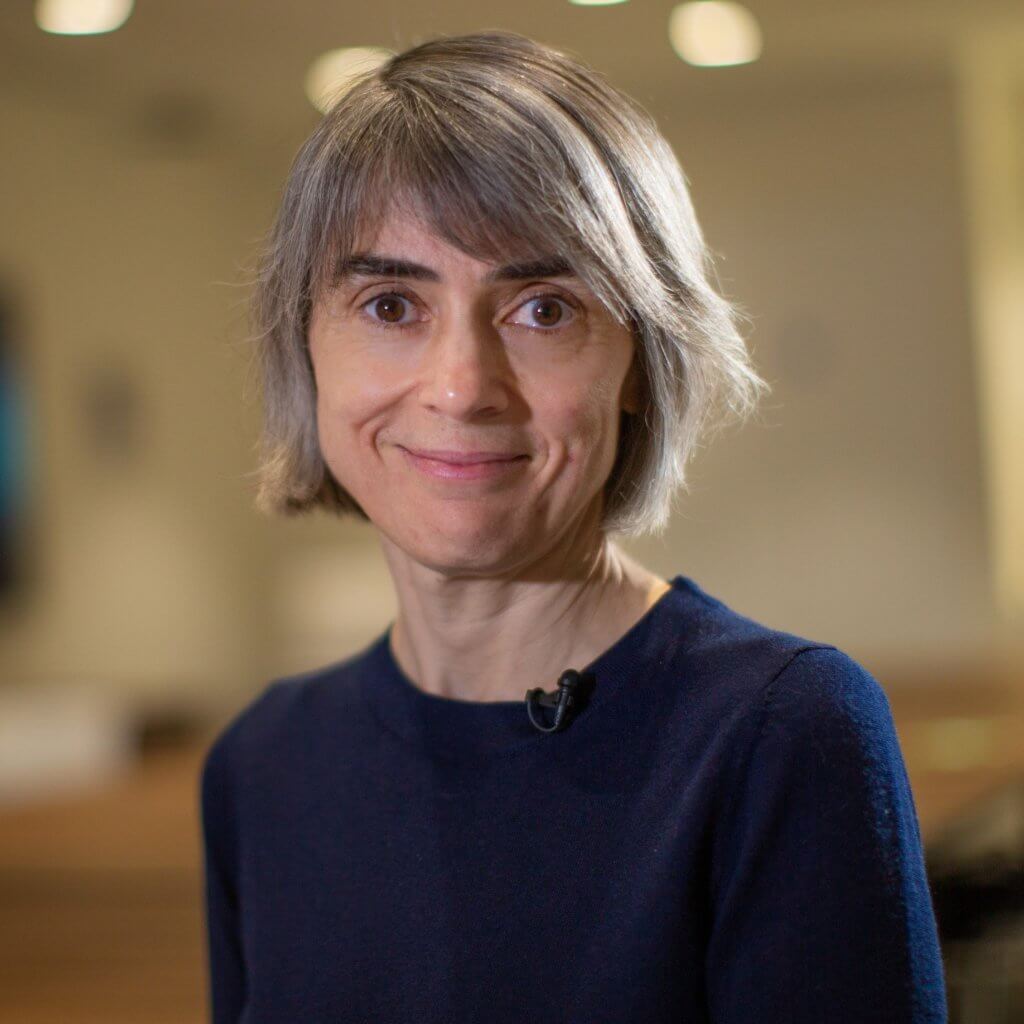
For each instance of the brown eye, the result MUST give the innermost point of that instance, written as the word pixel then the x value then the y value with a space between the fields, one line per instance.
pixel 547 312
pixel 389 308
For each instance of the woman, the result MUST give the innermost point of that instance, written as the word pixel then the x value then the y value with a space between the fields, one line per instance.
pixel 486 327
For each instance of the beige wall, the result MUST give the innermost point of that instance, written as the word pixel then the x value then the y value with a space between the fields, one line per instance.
pixel 990 72
pixel 144 563
pixel 855 516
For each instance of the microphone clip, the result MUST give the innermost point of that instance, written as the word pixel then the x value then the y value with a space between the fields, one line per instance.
pixel 561 700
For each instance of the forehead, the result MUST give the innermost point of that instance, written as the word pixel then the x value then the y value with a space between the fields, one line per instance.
pixel 407 246
pixel 419 228
pixel 404 233
pixel 453 235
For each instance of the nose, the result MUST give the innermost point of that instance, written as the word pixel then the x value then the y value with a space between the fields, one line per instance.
pixel 466 371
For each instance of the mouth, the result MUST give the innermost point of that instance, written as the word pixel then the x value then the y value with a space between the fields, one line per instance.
pixel 457 458
pixel 453 465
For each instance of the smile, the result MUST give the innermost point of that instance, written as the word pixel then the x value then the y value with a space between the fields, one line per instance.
pixel 464 467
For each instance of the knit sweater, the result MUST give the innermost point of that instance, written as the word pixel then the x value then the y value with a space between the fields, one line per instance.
pixel 723 832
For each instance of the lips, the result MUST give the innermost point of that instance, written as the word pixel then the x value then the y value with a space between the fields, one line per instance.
pixel 463 458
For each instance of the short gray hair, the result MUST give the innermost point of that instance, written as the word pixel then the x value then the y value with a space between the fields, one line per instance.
pixel 505 147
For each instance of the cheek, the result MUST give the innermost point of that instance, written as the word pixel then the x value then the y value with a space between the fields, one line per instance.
pixel 584 424
pixel 348 406
pixel 349 395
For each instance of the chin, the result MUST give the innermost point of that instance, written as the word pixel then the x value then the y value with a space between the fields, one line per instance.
pixel 463 563
pixel 461 545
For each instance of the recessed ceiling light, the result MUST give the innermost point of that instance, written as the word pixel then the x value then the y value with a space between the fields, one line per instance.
pixel 596 3
pixel 332 72
pixel 714 33
pixel 82 17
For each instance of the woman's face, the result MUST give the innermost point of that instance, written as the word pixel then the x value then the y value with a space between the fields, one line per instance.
pixel 472 409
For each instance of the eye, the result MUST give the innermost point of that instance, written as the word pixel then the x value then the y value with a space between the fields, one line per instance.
pixel 388 310
pixel 547 312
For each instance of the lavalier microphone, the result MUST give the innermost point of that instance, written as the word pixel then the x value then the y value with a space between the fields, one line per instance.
pixel 561 700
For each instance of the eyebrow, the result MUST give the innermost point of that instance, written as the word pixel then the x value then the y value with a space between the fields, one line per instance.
pixel 372 265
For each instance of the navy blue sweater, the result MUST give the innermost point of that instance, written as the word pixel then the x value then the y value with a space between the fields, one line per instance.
pixel 723 832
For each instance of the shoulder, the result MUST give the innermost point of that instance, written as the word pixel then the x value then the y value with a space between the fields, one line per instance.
pixel 820 742
pixel 280 715
pixel 744 679
pixel 824 685
pixel 737 661
pixel 826 714
pixel 804 738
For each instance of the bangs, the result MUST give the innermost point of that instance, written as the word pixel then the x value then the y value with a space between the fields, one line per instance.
pixel 481 178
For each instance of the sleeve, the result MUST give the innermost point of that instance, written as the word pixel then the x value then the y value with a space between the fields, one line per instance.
pixel 820 906
pixel 226 968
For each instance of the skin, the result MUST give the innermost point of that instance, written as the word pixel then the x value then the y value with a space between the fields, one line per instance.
pixel 502 582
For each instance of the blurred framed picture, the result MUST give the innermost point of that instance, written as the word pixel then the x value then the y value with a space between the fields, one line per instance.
pixel 14 459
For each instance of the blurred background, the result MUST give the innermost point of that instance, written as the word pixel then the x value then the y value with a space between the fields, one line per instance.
pixel 858 169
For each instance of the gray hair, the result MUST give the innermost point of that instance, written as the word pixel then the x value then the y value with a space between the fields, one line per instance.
pixel 506 148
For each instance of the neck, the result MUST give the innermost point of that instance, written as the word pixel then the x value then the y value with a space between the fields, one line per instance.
pixel 490 638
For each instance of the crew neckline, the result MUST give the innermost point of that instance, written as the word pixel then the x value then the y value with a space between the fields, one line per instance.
pixel 456 729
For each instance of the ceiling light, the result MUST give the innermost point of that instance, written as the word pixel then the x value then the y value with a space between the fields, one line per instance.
pixel 332 73
pixel 596 3
pixel 714 33
pixel 82 17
